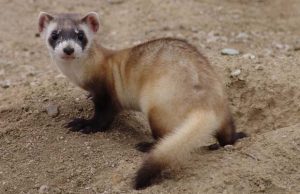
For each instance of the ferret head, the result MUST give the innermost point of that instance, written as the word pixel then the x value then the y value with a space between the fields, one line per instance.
pixel 68 36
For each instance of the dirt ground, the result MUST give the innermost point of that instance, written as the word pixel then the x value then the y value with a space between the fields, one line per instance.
pixel 39 155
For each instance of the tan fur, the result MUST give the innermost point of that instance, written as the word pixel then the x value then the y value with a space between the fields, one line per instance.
pixel 167 79
pixel 193 132
pixel 161 73
pixel 171 83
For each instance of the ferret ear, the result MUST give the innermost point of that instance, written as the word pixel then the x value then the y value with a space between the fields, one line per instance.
pixel 44 20
pixel 92 20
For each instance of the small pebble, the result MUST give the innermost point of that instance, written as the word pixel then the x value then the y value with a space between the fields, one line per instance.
pixel 242 35
pixel 259 67
pixel 115 1
pixel 5 84
pixel 228 147
pixel 44 189
pixel 283 47
pixel 229 51
pixel 52 110
pixel 249 56
pixel 235 72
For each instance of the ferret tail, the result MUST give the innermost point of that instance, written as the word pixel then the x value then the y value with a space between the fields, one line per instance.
pixel 196 129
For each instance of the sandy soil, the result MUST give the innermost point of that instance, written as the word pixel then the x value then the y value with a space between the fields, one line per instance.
pixel 38 155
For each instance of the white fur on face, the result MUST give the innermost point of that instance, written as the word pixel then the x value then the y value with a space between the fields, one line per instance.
pixel 73 68
pixel 47 32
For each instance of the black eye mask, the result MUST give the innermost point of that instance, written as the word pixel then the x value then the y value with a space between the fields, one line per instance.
pixel 58 36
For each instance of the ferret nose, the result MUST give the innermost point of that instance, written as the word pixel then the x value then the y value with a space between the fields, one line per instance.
pixel 69 50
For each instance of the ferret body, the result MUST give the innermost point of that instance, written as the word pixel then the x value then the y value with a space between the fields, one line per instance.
pixel 166 79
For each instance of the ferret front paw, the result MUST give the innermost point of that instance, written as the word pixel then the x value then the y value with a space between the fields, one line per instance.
pixel 85 126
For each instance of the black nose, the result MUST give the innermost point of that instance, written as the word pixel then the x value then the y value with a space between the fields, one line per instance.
pixel 69 50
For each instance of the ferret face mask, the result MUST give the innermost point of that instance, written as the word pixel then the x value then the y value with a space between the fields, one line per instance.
pixel 68 36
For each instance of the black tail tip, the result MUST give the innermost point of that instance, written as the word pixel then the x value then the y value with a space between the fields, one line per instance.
pixel 146 174
pixel 141 183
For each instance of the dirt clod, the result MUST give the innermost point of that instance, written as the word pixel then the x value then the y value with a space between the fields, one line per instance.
pixel 52 110
pixel 44 189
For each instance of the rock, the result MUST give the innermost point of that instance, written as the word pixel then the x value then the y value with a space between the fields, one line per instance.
pixel 259 67
pixel 115 1
pixel 229 51
pixel 235 73
pixel 228 147
pixel 242 35
pixel 249 56
pixel 5 84
pixel 283 47
pixel 52 110
pixel 44 189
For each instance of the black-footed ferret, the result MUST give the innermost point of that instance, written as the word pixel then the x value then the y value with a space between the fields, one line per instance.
pixel 167 79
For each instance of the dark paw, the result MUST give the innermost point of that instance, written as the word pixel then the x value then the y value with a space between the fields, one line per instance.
pixel 240 135
pixel 144 146
pixel 215 146
pixel 85 126
pixel 77 124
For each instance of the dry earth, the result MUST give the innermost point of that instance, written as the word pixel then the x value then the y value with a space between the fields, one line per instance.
pixel 39 155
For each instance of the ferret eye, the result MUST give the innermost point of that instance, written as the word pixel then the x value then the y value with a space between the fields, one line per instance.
pixel 54 35
pixel 80 36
